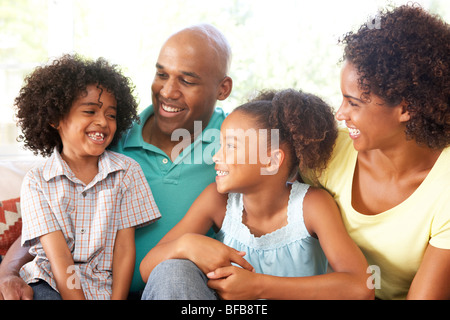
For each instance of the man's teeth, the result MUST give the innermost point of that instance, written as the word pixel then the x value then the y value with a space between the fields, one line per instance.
pixel 222 173
pixel 354 132
pixel 170 109
pixel 96 135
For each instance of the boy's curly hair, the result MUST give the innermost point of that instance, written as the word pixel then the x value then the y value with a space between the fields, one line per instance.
pixel 305 122
pixel 49 91
pixel 407 58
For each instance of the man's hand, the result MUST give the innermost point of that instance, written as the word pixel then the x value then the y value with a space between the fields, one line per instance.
pixel 13 287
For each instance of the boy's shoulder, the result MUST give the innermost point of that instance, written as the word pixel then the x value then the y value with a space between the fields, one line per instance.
pixel 120 160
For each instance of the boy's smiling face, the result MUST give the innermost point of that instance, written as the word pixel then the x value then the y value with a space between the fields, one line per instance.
pixel 90 126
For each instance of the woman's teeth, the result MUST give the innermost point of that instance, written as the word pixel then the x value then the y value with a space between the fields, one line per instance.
pixel 222 173
pixel 170 109
pixel 354 132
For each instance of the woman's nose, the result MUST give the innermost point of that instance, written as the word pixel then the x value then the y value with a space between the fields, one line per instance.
pixel 341 114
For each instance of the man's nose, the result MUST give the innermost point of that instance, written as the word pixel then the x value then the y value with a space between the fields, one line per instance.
pixel 170 89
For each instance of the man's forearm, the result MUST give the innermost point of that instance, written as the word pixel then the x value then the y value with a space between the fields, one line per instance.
pixel 14 259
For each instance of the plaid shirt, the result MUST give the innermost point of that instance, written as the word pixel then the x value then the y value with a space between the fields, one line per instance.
pixel 52 199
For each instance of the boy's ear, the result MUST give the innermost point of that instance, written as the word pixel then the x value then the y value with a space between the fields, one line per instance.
pixel 276 159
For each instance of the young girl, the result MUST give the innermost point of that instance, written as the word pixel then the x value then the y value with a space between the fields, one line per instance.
pixel 80 208
pixel 279 227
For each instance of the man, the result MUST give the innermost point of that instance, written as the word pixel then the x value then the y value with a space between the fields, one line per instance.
pixel 191 75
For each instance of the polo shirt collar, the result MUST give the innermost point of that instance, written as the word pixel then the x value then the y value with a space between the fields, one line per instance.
pixel 134 135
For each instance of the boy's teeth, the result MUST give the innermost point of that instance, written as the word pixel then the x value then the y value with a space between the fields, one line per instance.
pixel 96 135
pixel 222 173
pixel 170 109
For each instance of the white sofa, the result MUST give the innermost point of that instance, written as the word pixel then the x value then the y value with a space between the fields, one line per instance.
pixel 11 176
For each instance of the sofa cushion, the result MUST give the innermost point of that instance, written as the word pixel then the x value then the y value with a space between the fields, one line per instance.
pixel 10 223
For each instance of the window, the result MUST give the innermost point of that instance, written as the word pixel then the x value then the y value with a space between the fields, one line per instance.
pixel 276 44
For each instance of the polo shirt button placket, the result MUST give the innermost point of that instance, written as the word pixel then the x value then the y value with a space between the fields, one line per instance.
pixel 165 161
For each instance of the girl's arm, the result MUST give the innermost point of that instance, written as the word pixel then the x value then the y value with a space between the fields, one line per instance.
pixel 124 257
pixel 61 261
pixel 348 281
pixel 187 239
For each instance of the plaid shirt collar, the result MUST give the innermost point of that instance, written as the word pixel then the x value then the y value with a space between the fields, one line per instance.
pixel 55 166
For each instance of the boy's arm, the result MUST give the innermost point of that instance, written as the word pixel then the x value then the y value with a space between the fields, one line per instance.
pixel 123 263
pixel 61 261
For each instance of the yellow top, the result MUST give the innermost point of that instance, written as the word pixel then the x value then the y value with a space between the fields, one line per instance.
pixel 395 240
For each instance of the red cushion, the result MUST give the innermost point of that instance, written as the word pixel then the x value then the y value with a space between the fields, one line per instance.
pixel 10 223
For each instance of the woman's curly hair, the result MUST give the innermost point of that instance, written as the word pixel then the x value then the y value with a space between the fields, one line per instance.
pixel 305 122
pixel 49 92
pixel 405 56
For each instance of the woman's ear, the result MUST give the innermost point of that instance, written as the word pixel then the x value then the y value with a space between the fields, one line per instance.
pixel 404 113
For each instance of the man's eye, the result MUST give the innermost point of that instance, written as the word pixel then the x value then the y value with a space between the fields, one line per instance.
pixel 187 82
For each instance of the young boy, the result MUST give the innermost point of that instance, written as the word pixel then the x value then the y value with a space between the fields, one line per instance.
pixel 80 208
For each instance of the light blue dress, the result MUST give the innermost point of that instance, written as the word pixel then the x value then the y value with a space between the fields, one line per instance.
pixel 287 252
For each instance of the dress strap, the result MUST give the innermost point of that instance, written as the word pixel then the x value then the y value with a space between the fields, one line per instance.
pixel 295 204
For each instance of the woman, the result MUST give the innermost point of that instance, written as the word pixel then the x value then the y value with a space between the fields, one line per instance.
pixel 390 170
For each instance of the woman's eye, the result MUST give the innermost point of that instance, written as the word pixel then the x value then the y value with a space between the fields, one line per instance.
pixel 352 103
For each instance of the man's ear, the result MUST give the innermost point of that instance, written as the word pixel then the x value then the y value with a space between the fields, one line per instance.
pixel 275 161
pixel 225 87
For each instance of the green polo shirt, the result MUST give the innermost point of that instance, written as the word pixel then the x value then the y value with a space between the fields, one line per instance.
pixel 175 185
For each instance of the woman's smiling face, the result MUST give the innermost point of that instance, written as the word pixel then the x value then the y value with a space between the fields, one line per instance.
pixel 372 123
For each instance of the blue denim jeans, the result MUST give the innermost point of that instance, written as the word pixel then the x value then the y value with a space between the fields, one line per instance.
pixel 43 291
pixel 178 279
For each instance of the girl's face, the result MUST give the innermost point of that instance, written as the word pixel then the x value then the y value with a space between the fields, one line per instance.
pixel 373 124
pixel 238 161
pixel 90 126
